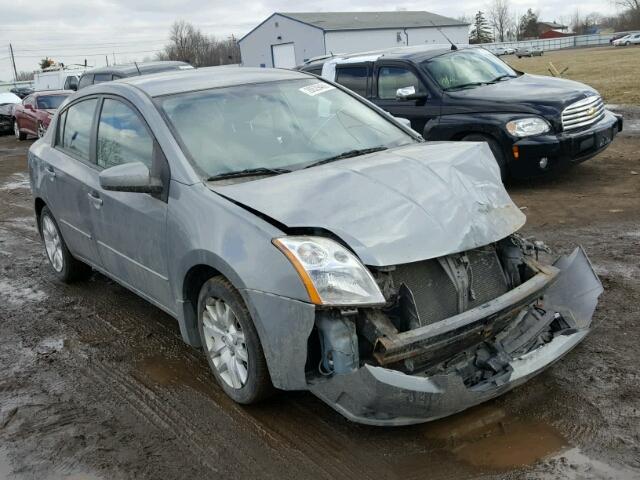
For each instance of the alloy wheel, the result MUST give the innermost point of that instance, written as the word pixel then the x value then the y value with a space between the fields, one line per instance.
pixel 41 130
pixel 52 243
pixel 225 342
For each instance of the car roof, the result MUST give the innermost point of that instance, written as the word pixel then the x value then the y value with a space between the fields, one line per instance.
pixel 417 53
pixel 52 92
pixel 179 81
pixel 133 68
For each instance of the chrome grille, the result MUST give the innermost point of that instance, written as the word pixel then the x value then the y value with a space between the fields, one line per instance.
pixel 583 113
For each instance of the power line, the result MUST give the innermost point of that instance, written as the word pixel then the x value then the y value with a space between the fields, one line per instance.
pixel 87 45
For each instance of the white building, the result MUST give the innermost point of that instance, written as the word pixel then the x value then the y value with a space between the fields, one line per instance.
pixel 288 39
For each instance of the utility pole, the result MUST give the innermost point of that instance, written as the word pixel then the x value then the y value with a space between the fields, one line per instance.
pixel 13 62
pixel 106 58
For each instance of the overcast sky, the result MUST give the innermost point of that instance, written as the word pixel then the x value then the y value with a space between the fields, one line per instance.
pixel 72 30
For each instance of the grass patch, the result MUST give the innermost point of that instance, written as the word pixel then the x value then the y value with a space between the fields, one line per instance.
pixel 614 72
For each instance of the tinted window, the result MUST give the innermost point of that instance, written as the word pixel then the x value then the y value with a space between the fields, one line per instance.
pixel 50 102
pixel 102 77
pixel 77 129
pixel 71 83
pixel 390 79
pixel 122 137
pixel 314 70
pixel 85 80
pixel 354 78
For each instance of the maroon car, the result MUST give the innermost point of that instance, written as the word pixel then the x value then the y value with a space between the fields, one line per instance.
pixel 33 115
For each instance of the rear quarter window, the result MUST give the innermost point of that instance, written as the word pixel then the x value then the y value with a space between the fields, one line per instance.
pixel 354 78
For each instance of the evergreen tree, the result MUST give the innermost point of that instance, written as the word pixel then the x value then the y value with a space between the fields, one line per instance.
pixel 528 26
pixel 480 32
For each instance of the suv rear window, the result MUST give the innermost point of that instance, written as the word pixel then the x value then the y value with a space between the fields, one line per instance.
pixel 354 78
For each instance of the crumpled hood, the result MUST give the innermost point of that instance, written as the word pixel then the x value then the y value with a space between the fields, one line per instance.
pixel 397 206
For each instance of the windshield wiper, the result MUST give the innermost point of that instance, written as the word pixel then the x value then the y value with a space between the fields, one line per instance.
pixel 502 77
pixel 466 85
pixel 349 154
pixel 247 172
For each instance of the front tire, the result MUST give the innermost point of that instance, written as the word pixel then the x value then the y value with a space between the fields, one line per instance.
pixel 18 133
pixel 41 130
pixel 231 344
pixel 64 265
pixel 495 149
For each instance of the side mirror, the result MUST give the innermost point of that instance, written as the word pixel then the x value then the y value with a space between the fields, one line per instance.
pixel 130 177
pixel 409 93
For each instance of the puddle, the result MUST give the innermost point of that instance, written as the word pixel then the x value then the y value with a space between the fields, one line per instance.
pixel 19 181
pixel 50 346
pixel 488 439
pixel 18 296
pixel 172 371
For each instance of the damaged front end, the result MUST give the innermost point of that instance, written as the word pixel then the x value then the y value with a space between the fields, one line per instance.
pixel 455 331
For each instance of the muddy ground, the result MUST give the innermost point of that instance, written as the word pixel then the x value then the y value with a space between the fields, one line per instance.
pixel 95 382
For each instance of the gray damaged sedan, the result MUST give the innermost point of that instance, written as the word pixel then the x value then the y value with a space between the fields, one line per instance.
pixel 305 239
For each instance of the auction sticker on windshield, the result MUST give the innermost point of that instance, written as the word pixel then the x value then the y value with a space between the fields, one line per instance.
pixel 317 88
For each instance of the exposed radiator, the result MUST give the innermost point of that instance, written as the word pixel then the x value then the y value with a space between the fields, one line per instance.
pixel 436 295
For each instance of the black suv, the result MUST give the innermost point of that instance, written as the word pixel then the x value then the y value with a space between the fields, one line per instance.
pixel 114 72
pixel 532 123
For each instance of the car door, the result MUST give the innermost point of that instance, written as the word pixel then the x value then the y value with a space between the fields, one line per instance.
pixel 130 227
pixel 27 120
pixel 71 174
pixel 388 78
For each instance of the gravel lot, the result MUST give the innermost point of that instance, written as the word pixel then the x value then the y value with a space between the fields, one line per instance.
pixel 95 383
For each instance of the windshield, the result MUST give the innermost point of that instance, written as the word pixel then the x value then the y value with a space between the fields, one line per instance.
pixel 276 125
pixel 467 68
pixel 50 102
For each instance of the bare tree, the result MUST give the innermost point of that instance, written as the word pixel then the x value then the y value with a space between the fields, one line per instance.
pixel 633 5
pixel 500 18
pixel 189 44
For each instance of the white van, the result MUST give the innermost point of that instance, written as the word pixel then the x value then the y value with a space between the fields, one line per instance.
pixel 58 79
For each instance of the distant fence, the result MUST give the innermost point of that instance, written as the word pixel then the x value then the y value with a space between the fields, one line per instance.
pixel 557 43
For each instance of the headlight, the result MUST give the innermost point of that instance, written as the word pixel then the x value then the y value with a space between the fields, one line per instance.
pixel 526 127
pixel 331 274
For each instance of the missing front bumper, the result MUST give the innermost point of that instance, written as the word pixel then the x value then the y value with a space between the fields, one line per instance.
pixel 380 396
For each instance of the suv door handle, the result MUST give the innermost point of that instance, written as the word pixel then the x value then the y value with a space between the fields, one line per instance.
pixel 95 199
pixel 49 170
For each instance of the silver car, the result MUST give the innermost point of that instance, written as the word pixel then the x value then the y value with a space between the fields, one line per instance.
pixel 306 240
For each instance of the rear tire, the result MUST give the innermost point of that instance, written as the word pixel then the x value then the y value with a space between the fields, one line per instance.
pixel 64 265
pixel 231 343
pixel 20 135
pixel 495 149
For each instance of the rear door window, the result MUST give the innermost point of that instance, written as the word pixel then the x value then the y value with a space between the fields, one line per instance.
pixel 76 137
pixel 102 77
pixel 390 79
pixel 85 80
pixel 354 78
pixel 122 136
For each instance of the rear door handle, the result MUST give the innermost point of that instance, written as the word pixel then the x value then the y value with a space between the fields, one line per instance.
pixel 49 170
pixel 95 199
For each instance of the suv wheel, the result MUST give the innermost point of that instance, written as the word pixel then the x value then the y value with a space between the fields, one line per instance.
pixel 231 343
pixel 66 268
pixel 495 149
pixel 16 129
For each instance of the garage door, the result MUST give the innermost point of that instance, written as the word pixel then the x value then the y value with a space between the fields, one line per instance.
pixel 284 55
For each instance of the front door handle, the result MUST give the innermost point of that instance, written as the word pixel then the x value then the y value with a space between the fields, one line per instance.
pixel 95 199
pixel 51 172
